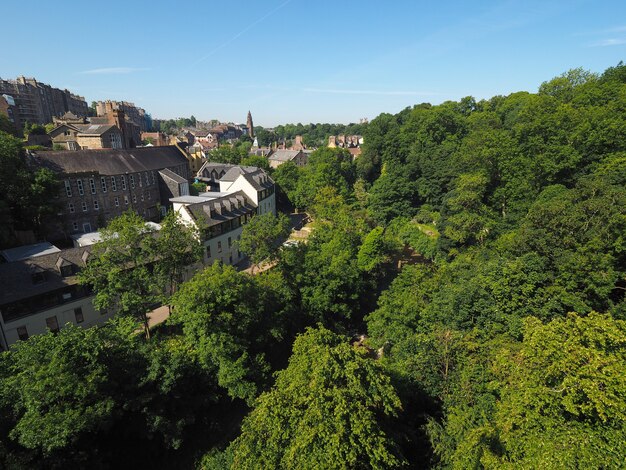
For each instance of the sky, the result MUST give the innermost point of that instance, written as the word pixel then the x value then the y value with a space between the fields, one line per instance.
pixel 290 61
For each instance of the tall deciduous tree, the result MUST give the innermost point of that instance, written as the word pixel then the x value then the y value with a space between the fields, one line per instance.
pixel 55 389
pixel 120 269
pixel 223 319
pixel 176 248
pixel 261 237
pixel 326 410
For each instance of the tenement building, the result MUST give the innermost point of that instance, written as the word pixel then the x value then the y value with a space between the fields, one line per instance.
pixel 98 185
pixel 38 103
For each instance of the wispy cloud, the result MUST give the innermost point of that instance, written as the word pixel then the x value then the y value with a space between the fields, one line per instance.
pixel 609 42
pixel 241 33
pixel 369 92
pixel 114 70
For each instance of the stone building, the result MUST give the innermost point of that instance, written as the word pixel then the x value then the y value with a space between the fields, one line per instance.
pixel 158 139
pixel 38 103
pixel 131 130
pixel 98 185
pixel 133 114
pixel 279 157
pixel 10 110
pixel 351 142
pixel 87 136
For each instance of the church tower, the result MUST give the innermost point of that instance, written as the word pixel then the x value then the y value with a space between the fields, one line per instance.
pixel 250 126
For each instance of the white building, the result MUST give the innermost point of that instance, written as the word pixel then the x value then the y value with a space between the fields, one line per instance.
pixel 238 194
pixel 42 293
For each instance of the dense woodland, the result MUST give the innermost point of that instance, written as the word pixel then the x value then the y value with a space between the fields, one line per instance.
pixel 459 304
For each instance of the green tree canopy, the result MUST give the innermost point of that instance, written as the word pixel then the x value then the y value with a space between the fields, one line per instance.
pixel 327 410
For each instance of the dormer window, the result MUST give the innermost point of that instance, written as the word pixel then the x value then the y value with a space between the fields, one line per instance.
pixel 65 268
pixel 38 277
pixel 66 271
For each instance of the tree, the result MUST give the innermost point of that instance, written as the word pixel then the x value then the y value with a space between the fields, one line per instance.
pixel 58 388
pixel 223 319
pixel 262 235
pixel 562 396
pixel 226 154
pixel 120 269
pixel 374 250
pixel 256 160
pixel 176 248
pixel 328 409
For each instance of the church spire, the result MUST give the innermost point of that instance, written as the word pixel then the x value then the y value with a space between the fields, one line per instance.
pixel 250 126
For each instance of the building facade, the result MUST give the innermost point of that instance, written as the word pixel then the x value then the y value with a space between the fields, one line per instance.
pixel 99 185
pixel 236 195
pixel 42 293
pixel 133 113
pixel 38 103
pixel 277 158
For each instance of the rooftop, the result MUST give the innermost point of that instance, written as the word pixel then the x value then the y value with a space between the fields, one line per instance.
pixel 111 161
pixel 29 251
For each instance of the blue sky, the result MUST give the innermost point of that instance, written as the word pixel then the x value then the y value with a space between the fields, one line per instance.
pixel 292 61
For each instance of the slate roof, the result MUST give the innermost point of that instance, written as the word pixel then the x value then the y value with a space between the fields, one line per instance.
pixel 259 179
pixel 173 176
pixel 284 155
pixel 15 278
pixel 225 208
pixel 93 129
pixel 255 176
pixel 111 161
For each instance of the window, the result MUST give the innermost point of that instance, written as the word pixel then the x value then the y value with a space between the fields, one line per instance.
pixel 153 177
pixel 78 313
pixel 113 183
pixel 38 277
pixel 52 324
pixel 219 247
pixel 147 180
pixel 123 182
pixel 67 271
pixel 22 333
pixel 148 193
pixel 142 197
pixel 92 185
pixel 68 189
pixel 96 206
pixel 117 201
pixel 103 183
pixel 75 225
pixel 116 140
pixel 132 181
pixel 86 227
pixel 84 204
pixel 134 198
pixel 208 251
pixel 70 206
pixel 126 200
pixel 81 191
pixel 230 242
